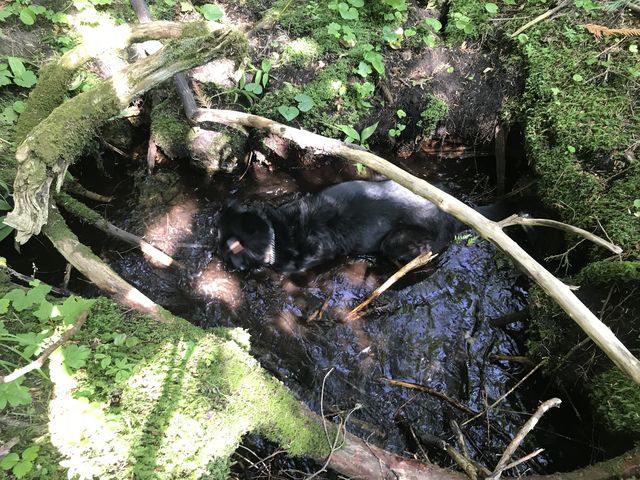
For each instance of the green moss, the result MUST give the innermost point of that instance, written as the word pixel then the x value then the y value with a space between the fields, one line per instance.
pixel 607 272
pixel 576 122
pixel 433 111
pixel 48 94
pixel 616 399
pixel 158 401
pixel 169 127
pixel 301 52
pixel 78 208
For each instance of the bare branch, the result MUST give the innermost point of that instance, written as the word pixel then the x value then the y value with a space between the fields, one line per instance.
pixel 46 353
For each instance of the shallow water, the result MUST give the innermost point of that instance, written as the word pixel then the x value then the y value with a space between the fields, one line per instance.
pixel 431 331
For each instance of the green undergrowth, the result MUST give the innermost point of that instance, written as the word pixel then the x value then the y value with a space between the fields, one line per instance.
pixel 582 125
pixel 616 398
pixel 129 397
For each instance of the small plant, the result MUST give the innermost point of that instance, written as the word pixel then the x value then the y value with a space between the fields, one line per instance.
pixel 462 22
pixel 364 91
pixel 344 33
pixel 430 27
pixel 260 78
pixel 15 72
pixel 28 13
pixel 492 8
pixel 371 59
pixel 348 10
pixel 467 238
pixel 354 136
pixel 9 116
pixel 399 127
pixel 398 7
pixel 587 5
pixel 392 36
pixel 210 12
pixel 636 206
pixel 20 465
pixel 305 103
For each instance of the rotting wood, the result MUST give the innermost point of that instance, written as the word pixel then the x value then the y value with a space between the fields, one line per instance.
pixel 492 231
pixel 48 150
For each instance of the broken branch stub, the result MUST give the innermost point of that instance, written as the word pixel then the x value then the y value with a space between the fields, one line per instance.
pixel 55 143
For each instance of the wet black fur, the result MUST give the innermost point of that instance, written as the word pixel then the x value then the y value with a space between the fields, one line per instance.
pixel 356 217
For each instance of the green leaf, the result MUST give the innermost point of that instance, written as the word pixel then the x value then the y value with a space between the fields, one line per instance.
pixel 4 307
pixel 509 2
pixel 37 9
pixel 305 102
pixel 19 106
pixel 4 205
pixel 211 12
pixel 44 312
pixel 131 342
pixel 5 79
pixel 364 69
pixel 347 12
pixel 357 3
pixel 27 80
pixel 27 16
pixel 17 67
pixel 636 203
pixel 334 29
pixel 375 59
pixel 401 113
pixel 349 131
pixel 367 132
pixel 21 469
pixel 577 78
pixel 433 23
pixel 75 356
pixel 491 8
pixel 14 394
pixel 119 338
pixel 253 88
pixel 429 40
pixel 571 149
pixel 73 306
pixel 289 113
pixel 5 231
pixel 9 461
pixel 31 453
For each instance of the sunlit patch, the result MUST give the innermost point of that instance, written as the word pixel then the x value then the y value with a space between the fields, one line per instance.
pixel 156 257
pixel 288 323
pixel 215 283
pixel 167 230
pixel 136 297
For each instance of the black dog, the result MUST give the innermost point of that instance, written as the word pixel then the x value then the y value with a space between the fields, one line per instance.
pixel 356 217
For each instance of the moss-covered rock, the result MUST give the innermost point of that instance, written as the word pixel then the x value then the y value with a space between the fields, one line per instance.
pixel 160 401
pixel 616 398
pixel 169 128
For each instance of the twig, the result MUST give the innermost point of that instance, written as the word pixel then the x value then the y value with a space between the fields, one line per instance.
pixel 513 359
pixel 470 467
pixel 430 391
pixel 419 261
pixel 38 362
pixel 522 380
pixel 63 292
pixel 519 438
pixel 544 222
pixel 76 188
pixel 463 445
pixel 524 459
pixel 540 18
pixel 6 448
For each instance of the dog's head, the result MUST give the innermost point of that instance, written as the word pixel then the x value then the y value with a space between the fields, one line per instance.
pixel 246 236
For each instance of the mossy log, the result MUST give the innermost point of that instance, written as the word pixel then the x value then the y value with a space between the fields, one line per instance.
pixel 51 146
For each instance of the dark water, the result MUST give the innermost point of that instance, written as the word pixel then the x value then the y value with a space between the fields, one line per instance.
pixel 430 331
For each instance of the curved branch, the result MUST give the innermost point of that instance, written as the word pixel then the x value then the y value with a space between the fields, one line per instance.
pixel 545 222
pixel 492 231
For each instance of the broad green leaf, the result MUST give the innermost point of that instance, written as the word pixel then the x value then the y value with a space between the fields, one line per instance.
pixel 347 12
pixel 44 311
pixel 357 3
pixel 491 8
pixel 289 113
pixel 305 102
pixel 433 23
pixel 211 12
pixel 27 16
pixel 367 132
pixel 119 338
pixel 14 394
pixel 4 205
pixel 131 342
pixel 31 453
pixel 4 307
pixel 27 80
pixel 375 59
pixel 9 461
pixel 265 65
pixel 75 356
pixel 5 79
pixel 20 469
pixel 72 307
pixel 349 131
pixel 253 88
pixel 334 29
pixel 17 67
pixel 19 106
pixel 37 9
pixel 5 231
pixel 364 69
